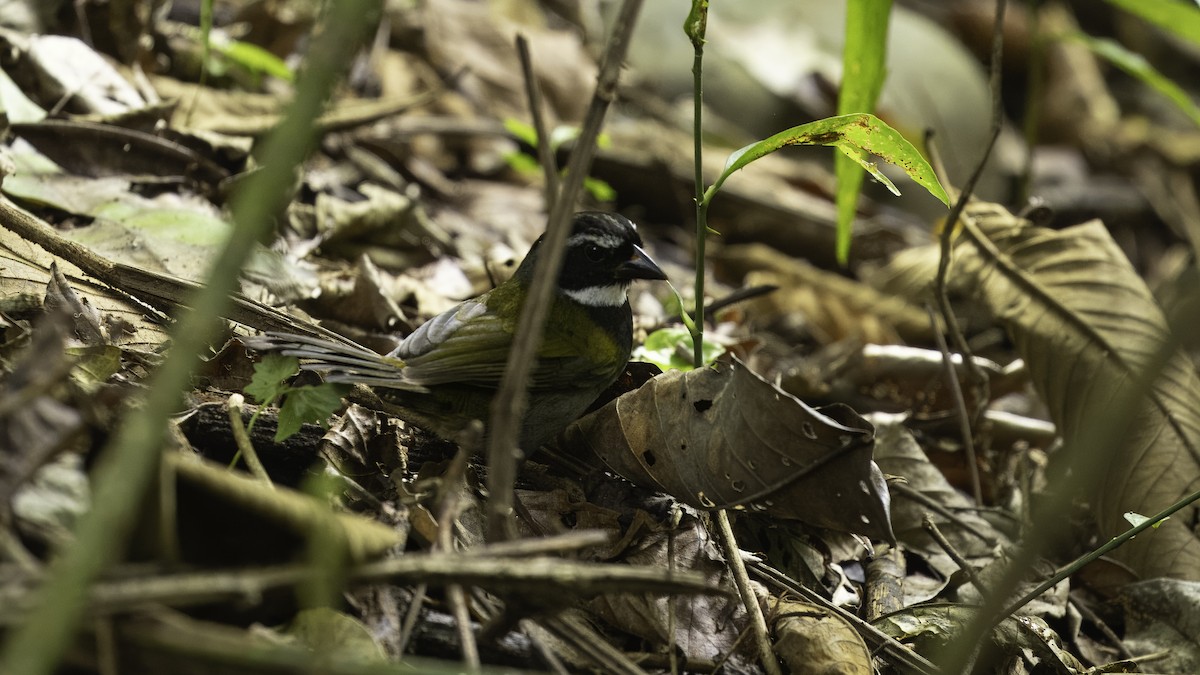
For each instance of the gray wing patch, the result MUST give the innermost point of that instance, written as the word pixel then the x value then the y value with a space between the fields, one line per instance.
pixel 438 329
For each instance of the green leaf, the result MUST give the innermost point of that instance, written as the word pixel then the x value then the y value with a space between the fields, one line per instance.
pixel 857 135
pixel 522 163
pixel 863 70
pixel 1137 66
pixel 1179 18
pixel 311 404
pixel 696 23
pixel 269 374
pixel 521 131
pixel 255 59
pixel 671 349
pixel 600 190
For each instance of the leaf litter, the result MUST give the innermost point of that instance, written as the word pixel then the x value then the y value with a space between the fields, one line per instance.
pixel 410 205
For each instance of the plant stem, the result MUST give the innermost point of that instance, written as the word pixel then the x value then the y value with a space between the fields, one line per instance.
pixel 695 27
pixel 533 96
pixel 758 623
pixel 512 397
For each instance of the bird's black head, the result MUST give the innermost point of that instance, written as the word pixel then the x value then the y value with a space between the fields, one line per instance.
pixel 604 254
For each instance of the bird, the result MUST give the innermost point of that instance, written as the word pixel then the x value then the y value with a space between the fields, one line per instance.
pixel 445 373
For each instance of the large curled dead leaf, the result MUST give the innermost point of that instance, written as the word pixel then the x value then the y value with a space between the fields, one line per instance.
pixel 722 437
pixel 1088 328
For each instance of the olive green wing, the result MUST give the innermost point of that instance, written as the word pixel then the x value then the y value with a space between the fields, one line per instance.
pixel 470 344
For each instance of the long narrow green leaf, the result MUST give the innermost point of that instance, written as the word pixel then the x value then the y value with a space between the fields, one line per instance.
pixel 1137 66
pixel 1179 18
pixel 863 71
pixel 859 136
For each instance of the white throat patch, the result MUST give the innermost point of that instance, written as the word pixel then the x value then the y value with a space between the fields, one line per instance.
pixel 600 296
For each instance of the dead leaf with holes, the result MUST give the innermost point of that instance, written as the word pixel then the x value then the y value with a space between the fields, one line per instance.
pixel 722 437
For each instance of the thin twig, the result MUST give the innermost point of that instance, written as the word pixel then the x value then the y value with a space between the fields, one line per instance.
pixel 1094 555
pixel 533 94
pixel 411 616
pixel 978 377
pixel 676 517
pixel 552 544
pixel 508 407
pixel 535 634
pixel 903 490
pixel 457 599
pixel 580 635
pixel 758 623
pixel 453 483
pixel 960 407
pixel 541 574
pixel 1108 633
pixel 941 540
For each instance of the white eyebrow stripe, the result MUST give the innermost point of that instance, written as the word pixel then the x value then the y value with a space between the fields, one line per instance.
pixel 614 295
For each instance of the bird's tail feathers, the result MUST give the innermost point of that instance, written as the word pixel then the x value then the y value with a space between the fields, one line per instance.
pixel 338 362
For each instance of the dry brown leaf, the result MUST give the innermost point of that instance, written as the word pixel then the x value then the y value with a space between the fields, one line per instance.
pixel 25 272
pixel 1024 640
pixel 94 149
pixel 706 627
pixel 971 536
pixel 723 437
pixel 842 308
pixel 475 41
pixel 1088 328
pixel 1163 617
pixel 812 640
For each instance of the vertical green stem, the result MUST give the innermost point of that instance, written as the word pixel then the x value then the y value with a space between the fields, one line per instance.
pixel 1035 88
pixel 695 26
pixel 701 224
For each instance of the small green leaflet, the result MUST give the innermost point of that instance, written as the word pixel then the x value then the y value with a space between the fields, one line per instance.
pixel 310 404
pixel 671 349
pixel 267 384
pixel 301 405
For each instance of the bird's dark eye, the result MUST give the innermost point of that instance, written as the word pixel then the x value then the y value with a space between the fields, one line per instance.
pixel 594 252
